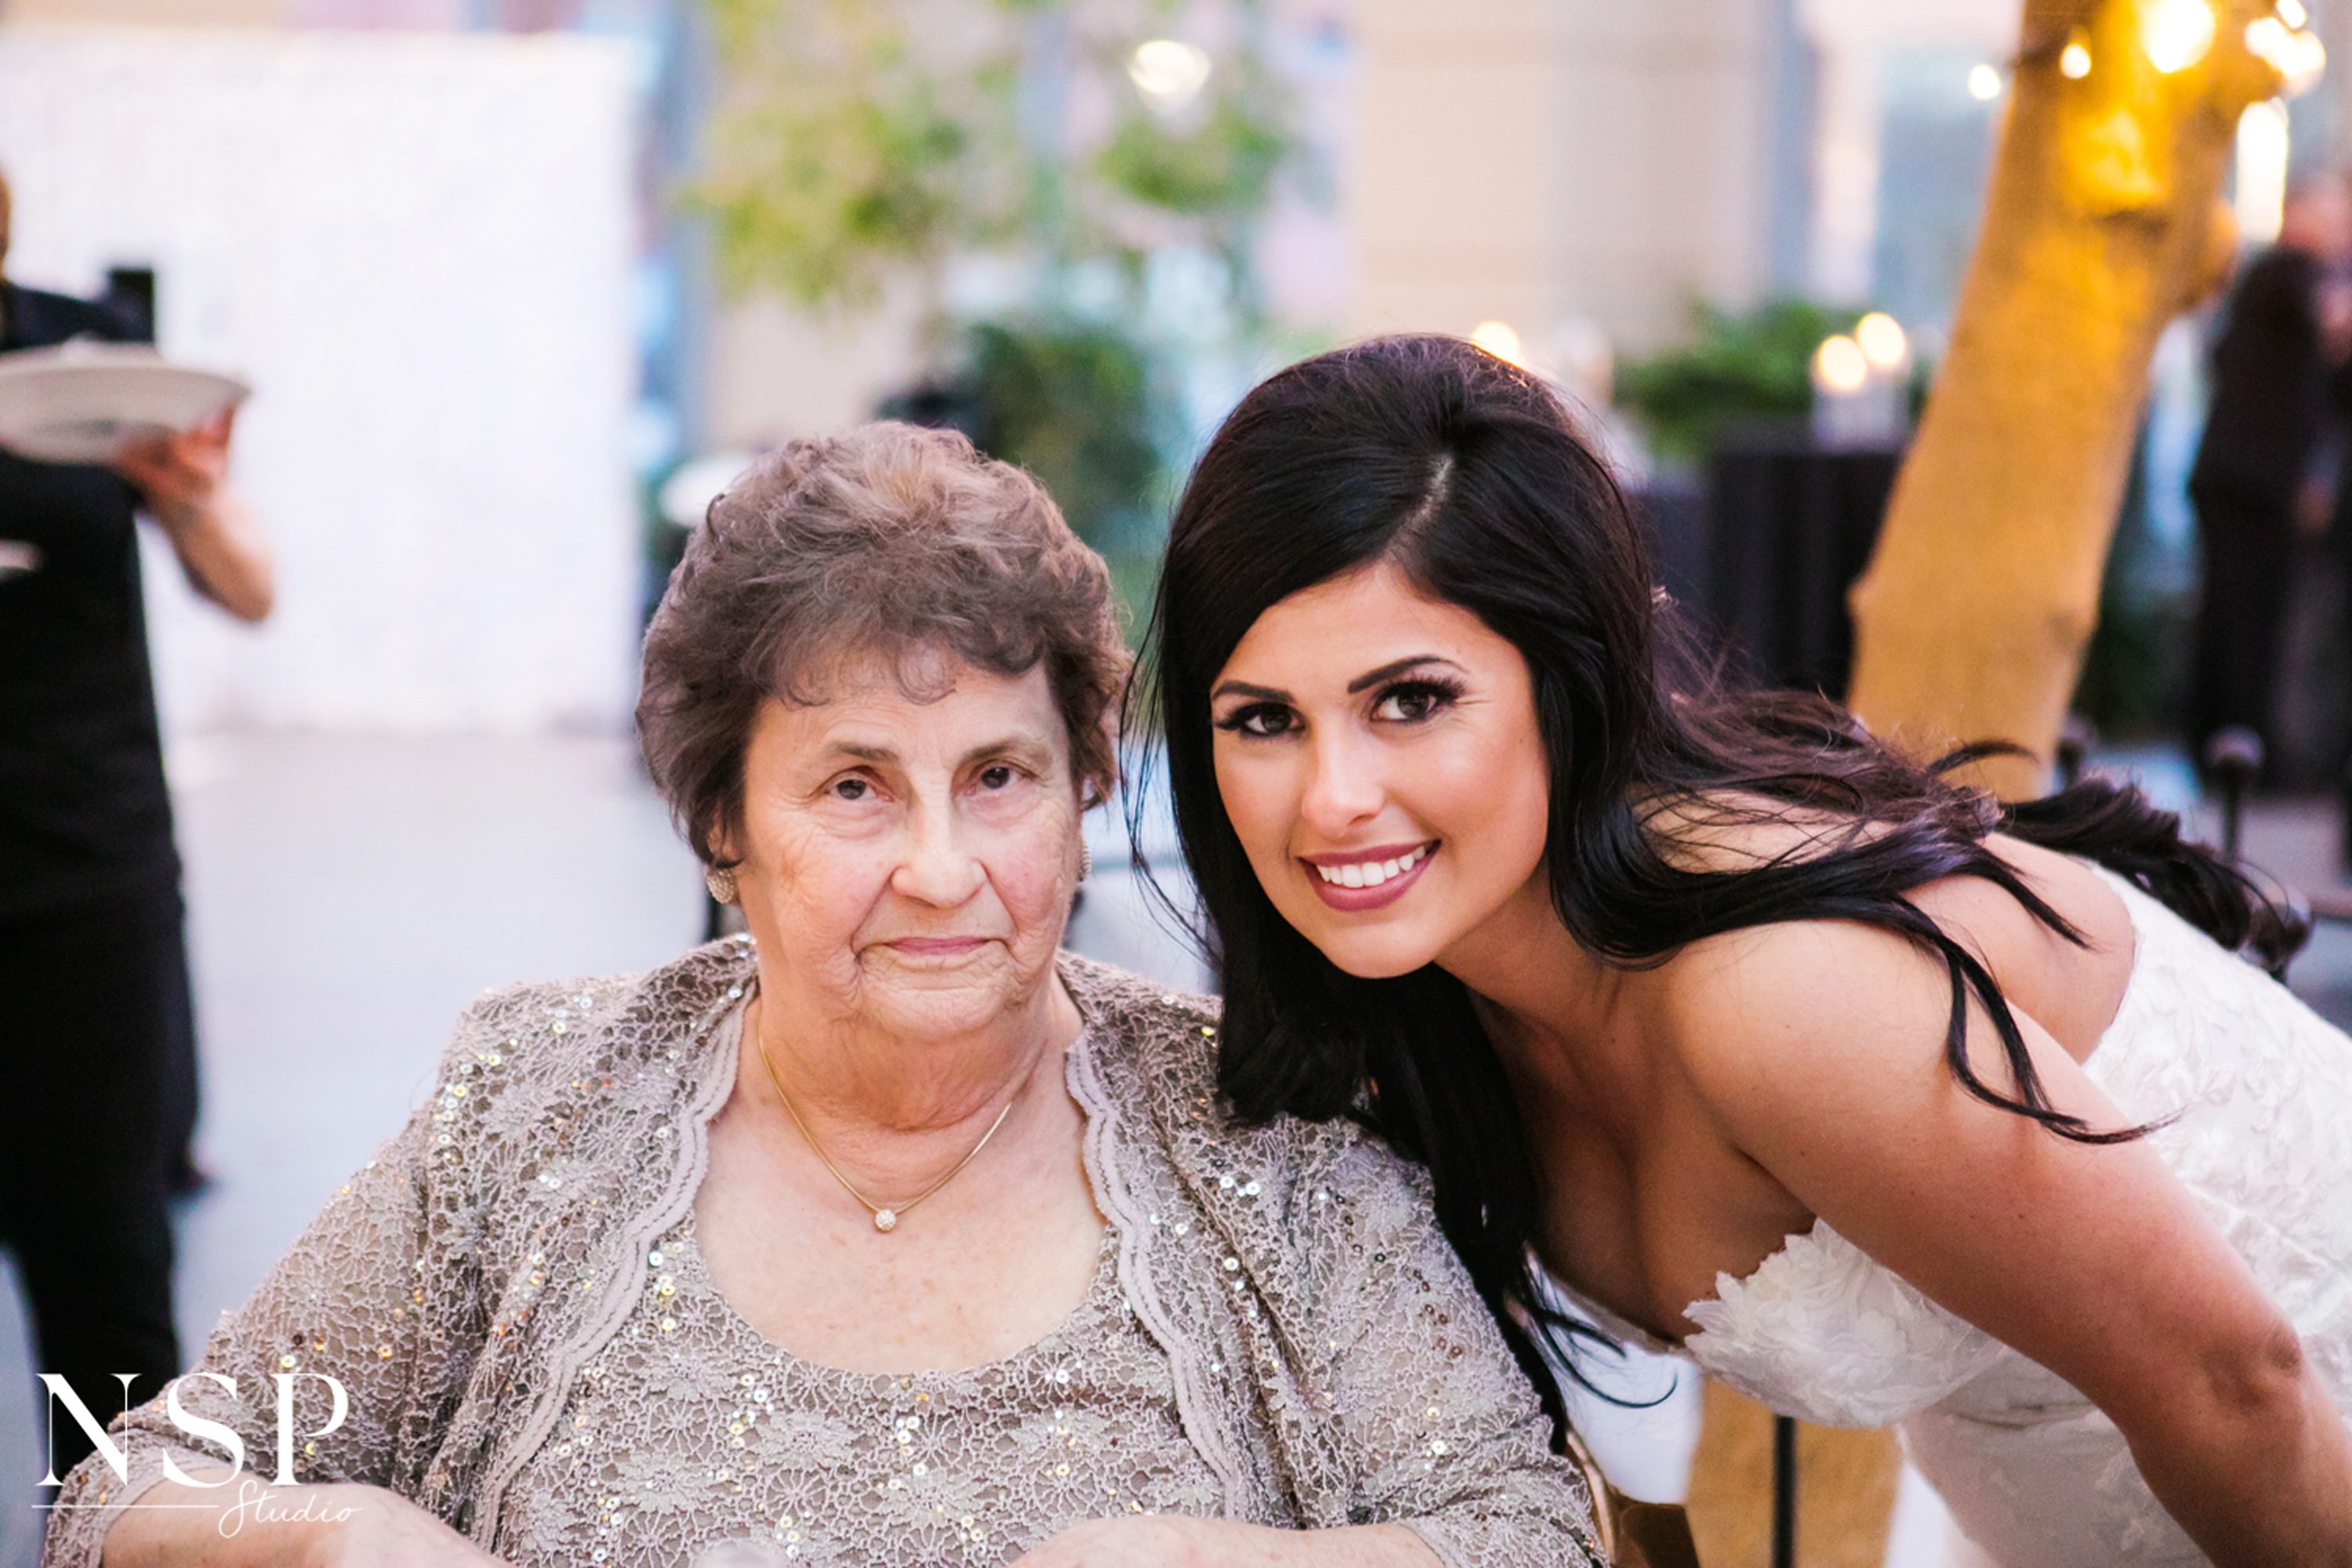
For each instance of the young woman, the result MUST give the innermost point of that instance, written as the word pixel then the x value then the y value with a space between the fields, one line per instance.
pixel 1884 1101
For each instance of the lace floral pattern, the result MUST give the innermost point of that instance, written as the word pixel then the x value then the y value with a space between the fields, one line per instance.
pixel 813 1464
pixel 1324 1356
pixel 2260 1087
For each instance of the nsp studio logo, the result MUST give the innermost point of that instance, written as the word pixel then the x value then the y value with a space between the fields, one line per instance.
pixel 253 1497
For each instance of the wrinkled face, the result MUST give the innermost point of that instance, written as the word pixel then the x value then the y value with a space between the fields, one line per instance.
pixel 907 865
pixel 1377 754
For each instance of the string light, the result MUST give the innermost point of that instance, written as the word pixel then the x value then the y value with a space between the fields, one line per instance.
pixel 2292 14
pixel 1168 74
pixel 1984 83
pixel 2176 34
pixel 1882 341
pixel 1501 340
pixel 2074 60
pixel 1840 365
pixel 2299 59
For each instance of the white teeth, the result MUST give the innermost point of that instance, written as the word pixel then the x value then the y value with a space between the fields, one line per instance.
pixel 1370 873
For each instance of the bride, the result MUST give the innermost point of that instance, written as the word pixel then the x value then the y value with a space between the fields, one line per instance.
pixel 1882 1102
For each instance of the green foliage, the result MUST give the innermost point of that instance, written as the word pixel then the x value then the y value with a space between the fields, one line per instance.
pixel 1227 164
pixel 1078 405
pixel 1074 403
pixel 1737 368
pixel 855 138
pixel 839 149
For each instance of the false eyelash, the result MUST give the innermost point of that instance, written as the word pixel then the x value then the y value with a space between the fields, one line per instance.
pixel 1237 721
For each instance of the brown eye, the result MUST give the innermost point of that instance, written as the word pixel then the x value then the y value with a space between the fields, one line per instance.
pixel 1413 702
pixel 996 777
pixel 1262 720
pixel 852 789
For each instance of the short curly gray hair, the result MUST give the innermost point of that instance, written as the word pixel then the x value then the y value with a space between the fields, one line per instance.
pixel 890 539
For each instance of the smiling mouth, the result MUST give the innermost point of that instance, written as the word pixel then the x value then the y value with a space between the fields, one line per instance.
pixel 1372 873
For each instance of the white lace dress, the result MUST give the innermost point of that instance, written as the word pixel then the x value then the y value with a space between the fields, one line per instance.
pixel 2034 1474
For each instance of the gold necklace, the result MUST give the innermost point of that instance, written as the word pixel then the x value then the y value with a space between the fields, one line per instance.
pixel 886 1218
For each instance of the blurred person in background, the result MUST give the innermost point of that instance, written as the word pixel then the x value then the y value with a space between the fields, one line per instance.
pixel 2263 482
pixel 886 1233
pixel 97 1037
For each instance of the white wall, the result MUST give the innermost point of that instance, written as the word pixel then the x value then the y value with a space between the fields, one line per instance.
pixel 418 249
pixel 1544 161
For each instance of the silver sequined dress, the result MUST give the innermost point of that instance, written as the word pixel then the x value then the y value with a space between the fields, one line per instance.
pixel 1279 1334
pixel 813 1464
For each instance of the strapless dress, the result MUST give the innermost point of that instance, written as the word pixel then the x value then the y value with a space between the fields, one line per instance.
pixel 2260 1089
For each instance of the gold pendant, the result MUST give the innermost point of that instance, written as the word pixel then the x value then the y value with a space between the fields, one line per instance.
pixel 886 1219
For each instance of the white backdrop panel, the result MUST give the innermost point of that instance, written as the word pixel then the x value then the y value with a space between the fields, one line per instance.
pixel 419 250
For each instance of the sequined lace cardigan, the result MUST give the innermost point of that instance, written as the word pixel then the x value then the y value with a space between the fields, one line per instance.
pixel 1332 1362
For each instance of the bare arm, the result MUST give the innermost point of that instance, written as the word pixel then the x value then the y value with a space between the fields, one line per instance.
pixel 362 1303
pixel 2093 1260
pixel 182 484
pixel 334 1526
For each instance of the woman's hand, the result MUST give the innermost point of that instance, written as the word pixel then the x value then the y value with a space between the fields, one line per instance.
pixel 180 475
pixel 1140 1541
pixel 254 1525
pixel 1168 1541
pixel 372 1528
pixel 183 482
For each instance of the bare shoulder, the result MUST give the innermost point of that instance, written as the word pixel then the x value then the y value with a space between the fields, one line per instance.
pixel 1804 1009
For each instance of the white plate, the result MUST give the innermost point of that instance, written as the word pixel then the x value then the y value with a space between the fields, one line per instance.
pixel 84 402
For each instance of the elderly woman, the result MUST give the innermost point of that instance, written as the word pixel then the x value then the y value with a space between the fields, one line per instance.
pixel 886 1233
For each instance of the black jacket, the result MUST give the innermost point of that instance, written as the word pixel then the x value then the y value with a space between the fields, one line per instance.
pixel 83 811
pixel 2270 407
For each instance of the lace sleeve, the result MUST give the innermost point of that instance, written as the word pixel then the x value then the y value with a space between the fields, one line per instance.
pixel 361 1298
pixel 1447 1439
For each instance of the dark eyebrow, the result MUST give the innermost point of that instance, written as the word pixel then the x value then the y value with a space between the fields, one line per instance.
pixel 1243 688
pixel 1394 669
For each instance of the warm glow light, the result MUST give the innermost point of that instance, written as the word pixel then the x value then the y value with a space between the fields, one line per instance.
pixel 2292 14
pixel 2176 34
pixel 2260 200
pixel 1984 83
pixel 1881 339
pixel 1498 338
pixel 1840 365
pixel 1168 74
pixel 2300 58
pixel 2074 60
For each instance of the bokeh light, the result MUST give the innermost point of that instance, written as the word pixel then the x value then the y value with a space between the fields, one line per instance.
pixel 2176 34
pixel 2299 58
pixel 1882 340
pixel 1170 74
pixel 1501 340
pixel 1841 364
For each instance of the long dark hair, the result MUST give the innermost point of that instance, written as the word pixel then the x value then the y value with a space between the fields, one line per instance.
pixel 1468 474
